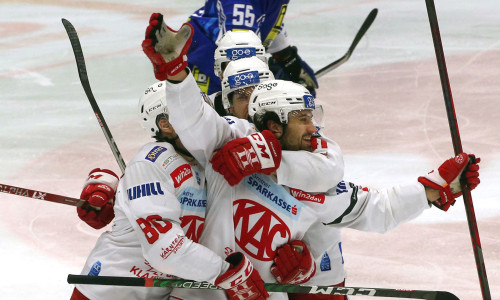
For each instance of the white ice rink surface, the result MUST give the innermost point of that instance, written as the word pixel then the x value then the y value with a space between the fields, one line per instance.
pixel 384 107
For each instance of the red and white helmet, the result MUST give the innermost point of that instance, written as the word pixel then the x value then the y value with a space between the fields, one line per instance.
pixel 235 45
pixel 243 73
pixel 281 97
pixel 152 104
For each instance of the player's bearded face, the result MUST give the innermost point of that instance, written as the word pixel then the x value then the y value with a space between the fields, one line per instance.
pixel 299 131
pixel 240 99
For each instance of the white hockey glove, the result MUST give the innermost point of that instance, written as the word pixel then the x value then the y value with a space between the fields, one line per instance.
pixel 165 47
pixel 99 190
pixel 241 280
pixel 447 178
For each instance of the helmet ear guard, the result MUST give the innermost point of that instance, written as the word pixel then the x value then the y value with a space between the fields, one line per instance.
pixel 236 45
pixel 280 97
pixel 243 73
pixel 152 107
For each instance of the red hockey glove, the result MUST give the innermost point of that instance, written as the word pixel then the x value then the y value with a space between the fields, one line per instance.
pixel 447 178
pixel 241 280
pixel 165 47
pixel 319 146
pixel 293 263
pixel 99 191
pixel 256 153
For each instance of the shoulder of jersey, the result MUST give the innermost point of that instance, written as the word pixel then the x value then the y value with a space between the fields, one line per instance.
pixel 157 153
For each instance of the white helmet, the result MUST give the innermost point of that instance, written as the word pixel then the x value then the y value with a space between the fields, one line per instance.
pixel 235 45
pixel 243 73
pixel 152 104
pixel 281 97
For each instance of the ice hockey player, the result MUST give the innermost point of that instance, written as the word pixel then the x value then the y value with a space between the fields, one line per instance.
pixel 265 18
pixel 247 158
pixel 160 210
pixel 324 244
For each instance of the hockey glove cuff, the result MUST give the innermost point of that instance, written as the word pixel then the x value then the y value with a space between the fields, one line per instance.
pixel 165 47
pixel 447 178
pixel 293 263
pixel 241 280
pixel 256 153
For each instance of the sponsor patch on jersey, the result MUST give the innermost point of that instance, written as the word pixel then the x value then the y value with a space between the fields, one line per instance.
pixel 170 159
pixel 309 102
pixel 273 194
pixel 143 190
pixel 181 174
pixel 303 196
pixel 193 199
pixel 243 79
pixel 341 188
pixel 238 53
pixel 325 264
pixel 173 247
pixel 258 229
pixel 155 152
pixel 95 269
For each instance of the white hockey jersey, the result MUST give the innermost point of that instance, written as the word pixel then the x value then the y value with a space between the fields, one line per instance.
pixel 159 216
pixel 258 215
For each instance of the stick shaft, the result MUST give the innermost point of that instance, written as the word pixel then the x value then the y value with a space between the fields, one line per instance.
pixel 271 287
pixel 457 146
pixel 361 32
pixel 38 195
pixel 82 73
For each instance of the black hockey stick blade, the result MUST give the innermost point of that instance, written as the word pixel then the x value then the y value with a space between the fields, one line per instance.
pixel 82 73
pixel 361 32
pixel 270 287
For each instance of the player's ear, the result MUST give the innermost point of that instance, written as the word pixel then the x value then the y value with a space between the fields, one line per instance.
pixel 275 128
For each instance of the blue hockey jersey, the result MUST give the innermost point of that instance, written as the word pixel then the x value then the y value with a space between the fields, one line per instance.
pixel 210 22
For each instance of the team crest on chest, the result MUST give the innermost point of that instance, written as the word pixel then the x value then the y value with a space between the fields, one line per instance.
pixel 192 226
pixel 257 228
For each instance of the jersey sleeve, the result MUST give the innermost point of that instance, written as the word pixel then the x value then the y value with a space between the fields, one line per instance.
pixel 318 172
pixel 372 210
pixel 198 125
pixel 153 211
pixel 280 42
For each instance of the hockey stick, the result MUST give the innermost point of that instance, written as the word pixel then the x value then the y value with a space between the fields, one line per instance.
pixel 270 287
pixel 457 146
pixel 361 32
pixel 14 190
pixel 82 72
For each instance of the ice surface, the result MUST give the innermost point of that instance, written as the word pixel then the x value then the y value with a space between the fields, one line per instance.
pixel 384 107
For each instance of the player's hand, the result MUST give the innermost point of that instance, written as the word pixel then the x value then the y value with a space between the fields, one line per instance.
pixel 165 47
pixel 299 71
pixel 241 280
pixel 446 178
pixel 256 153
pixel 99 190
pixel 293 263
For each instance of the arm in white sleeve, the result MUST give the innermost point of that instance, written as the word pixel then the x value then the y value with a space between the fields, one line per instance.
pixel 371 210
pixel 198 125
pixel 280 42
pixel 155 218
pixel 312 172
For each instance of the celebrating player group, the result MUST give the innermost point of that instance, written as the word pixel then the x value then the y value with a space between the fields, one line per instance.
pixel 239 186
